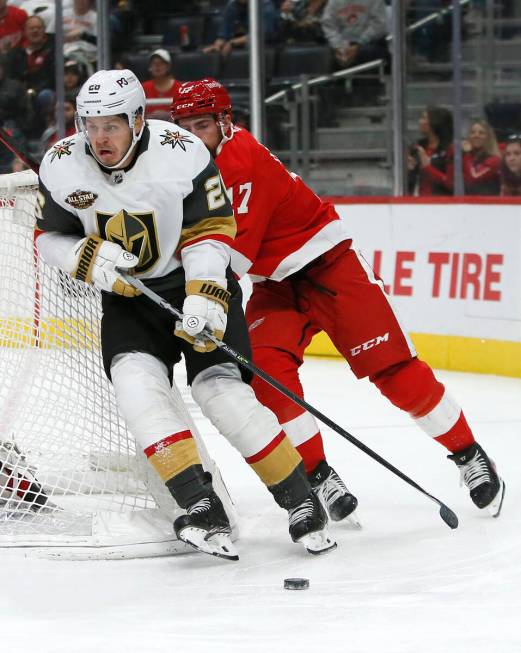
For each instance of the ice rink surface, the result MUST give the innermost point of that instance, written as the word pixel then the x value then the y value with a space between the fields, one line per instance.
pixel 406 583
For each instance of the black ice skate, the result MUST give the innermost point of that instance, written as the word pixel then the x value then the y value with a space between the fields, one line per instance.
pixel 308 526
pixel 333 494
pixel 478 472
pixel 206 527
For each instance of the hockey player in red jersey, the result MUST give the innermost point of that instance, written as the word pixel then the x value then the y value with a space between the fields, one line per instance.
pixel 308 278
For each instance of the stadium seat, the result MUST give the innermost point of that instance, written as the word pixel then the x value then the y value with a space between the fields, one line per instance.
pixel 196 65
pixel 237 65
pixel 138 64
pixel 172 29
pixel 310 59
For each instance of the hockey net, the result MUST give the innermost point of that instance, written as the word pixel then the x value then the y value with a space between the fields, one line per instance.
pixel 72 483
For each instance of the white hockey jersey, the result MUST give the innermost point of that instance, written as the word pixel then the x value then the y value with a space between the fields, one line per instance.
pixel 168 203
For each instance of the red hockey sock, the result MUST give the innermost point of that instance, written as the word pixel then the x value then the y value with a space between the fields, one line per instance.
pixel 312 452
pixel 457 438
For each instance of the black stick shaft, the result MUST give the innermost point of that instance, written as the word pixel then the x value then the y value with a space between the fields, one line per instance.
pixel 11 145
pixel 447 515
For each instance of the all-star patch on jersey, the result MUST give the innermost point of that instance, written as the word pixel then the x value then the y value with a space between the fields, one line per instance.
pixel 81 199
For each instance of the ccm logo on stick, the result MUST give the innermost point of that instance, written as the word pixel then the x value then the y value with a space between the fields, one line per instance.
pixel 370 344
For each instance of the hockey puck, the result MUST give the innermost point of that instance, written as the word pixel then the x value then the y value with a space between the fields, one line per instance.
pixel 296 584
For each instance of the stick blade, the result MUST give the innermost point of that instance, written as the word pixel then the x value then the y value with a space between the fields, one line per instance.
pixel 448 516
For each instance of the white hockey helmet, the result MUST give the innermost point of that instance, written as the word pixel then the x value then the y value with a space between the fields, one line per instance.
pixel 111 93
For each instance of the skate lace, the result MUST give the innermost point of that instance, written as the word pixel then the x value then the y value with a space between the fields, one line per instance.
pixel 301 512
pixel 332 489
pixel 475 472
pixel 201 506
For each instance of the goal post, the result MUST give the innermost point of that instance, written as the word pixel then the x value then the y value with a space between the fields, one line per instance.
pixel 72 482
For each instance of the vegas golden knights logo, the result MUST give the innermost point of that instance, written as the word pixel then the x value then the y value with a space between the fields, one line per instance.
pixel 135 232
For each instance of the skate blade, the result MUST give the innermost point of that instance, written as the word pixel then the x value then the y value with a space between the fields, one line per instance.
pixel 353 521
pixel 318 542
pixel 494 507
pixel 219 545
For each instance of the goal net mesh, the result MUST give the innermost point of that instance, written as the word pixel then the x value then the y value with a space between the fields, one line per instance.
pixel 70 474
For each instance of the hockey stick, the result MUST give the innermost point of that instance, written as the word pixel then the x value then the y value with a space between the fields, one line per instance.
pixel 11 145
pixel 448 516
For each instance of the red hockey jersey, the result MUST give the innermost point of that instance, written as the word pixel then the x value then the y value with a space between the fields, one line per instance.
pixel 281 224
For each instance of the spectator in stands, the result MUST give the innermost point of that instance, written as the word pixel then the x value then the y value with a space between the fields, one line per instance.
pixel 301 20
pixel 74 74
pixel 356 30
pixel 50 135
pixel 233 32
pixel 45 9
pixel 162 85
pixel 12 21
pixel 12 100
pixel 510 173
pixel 481 160
pixel 80 31
pixel 430 160
pixel 33 65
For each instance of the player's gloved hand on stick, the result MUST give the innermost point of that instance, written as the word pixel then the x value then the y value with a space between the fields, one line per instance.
pixel 205 305
pixel 95 261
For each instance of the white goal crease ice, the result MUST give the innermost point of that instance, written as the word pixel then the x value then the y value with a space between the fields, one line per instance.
pixel 72 484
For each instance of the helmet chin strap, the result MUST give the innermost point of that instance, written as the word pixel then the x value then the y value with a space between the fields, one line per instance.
pixel 225 137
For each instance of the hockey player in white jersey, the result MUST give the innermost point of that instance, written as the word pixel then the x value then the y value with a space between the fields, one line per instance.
pixel 125 194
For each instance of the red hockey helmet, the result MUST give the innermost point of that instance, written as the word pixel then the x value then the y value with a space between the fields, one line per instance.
pixel 200 97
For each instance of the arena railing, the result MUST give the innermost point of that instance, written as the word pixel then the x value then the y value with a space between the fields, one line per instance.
pixel 297 95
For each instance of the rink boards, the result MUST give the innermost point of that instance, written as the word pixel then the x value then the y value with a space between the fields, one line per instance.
pixel 453 271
